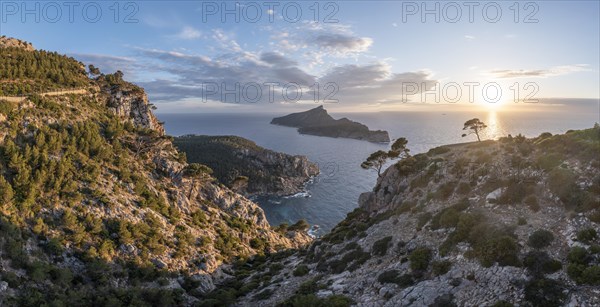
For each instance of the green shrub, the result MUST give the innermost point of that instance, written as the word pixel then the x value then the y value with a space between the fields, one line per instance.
pixel 394 276
pixel 522 221
pixel 497 248
pixel 544 293
pixel 578 255
pixel 440 267
pixel 259 243
pixel 419 258
pixel 540 238
pixel 381 246
pixel 301 270
pixel 580 269
pixel 587 235
pixel 539 263
pixel 301 225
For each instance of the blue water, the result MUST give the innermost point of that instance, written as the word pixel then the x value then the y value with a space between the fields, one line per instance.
pixel 335 191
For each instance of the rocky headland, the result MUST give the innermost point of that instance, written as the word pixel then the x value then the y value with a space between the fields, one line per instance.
pixel 318 122
pixel 246 167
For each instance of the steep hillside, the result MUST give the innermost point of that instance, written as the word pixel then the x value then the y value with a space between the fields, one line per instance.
pixel 97 207
pixel 246 167
pixel 493 223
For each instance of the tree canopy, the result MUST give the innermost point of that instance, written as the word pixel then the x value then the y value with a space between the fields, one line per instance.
pixel 474 126
pixel 377 160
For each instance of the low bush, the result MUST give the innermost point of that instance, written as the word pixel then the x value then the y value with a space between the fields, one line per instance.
pixel 301 270
pixel 301 225
pixel 544 293
pixel 581 267
pixel 587 235
pixel 394 277
pixel 381 246
pixel 540 263
pixel 420 258
pixel 440 267
pixel 540 238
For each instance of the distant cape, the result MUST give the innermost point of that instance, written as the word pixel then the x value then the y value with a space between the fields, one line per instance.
pixel 318 122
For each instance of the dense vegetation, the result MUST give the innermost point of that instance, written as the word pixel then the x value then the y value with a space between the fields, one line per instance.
pixel 28 72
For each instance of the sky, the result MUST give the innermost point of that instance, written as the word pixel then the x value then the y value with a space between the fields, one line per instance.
pixel 222 56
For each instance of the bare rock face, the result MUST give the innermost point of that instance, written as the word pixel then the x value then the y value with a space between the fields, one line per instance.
pixel 9 42
pixel 133 104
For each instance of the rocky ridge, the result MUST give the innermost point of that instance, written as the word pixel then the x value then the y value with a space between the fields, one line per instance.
pixel 248 168
pixel 122 211
pixel 495 223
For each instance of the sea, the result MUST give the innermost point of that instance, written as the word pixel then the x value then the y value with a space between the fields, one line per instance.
pixel 335 191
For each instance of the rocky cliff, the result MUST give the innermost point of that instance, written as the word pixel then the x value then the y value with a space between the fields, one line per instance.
pixel 131 103
pixel 318 122
pixel 512 222
pixel 246 167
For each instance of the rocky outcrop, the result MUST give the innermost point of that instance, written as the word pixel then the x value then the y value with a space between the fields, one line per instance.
pixel 129 102
pixel 317 122
pixel 9 42
pixel 246 167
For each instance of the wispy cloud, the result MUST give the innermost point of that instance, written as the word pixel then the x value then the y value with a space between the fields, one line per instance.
pixel 469 37
pixel 538 73
pixel 189 33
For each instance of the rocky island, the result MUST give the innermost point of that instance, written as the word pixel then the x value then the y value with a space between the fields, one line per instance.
pixel 246 167
pixel 318 122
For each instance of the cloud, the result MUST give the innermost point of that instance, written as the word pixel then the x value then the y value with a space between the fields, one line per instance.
pixel 213 78
pixel 319 40
pixel 274 58
pixel 376 83
pixel 197 75
pixel 172 77
pixel 469 37
pixel 538 73
pixel 343 44
pixel 395 25
pixel 189 33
